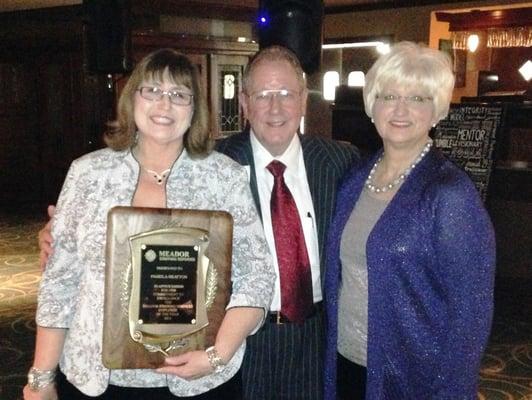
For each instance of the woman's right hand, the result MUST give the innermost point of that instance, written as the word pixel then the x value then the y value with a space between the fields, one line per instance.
pixel 46 393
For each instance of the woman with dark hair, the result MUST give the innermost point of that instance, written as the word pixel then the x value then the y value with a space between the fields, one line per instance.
pixel 159 155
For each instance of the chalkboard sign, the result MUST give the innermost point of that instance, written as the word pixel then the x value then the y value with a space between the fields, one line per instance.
pixel 467 137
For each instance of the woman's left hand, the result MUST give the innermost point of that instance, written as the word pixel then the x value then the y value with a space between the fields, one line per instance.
pixel 191 365
pixel 238 322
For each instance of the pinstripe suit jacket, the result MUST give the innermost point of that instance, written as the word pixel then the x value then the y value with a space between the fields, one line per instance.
pixel 326 161
pixel 295 352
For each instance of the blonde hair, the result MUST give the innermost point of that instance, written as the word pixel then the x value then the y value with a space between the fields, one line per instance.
pixel 164 64
pixel 270 54
pixel 414 66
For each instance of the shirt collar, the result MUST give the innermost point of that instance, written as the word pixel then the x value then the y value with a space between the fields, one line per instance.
pixel 290 157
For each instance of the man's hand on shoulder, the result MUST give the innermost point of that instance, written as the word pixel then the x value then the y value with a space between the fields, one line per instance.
pixel 45 240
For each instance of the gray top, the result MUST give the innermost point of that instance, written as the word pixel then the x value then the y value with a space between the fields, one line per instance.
pixel 353 299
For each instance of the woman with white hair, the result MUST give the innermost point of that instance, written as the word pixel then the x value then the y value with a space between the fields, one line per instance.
pixel 411 251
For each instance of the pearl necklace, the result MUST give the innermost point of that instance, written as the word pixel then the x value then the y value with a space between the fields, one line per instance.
pixel 158 177
pixel 374 189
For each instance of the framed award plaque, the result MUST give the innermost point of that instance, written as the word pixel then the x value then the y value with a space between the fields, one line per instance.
pixel 167 283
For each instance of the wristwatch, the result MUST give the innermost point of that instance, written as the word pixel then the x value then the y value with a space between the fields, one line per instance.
pixel 215 360
pixel 39 379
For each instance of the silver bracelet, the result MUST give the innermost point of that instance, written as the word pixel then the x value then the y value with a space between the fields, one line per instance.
pixel 215 360
pixel 39 379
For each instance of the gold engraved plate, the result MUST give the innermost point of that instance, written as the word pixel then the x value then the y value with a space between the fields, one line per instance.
pixel 170 292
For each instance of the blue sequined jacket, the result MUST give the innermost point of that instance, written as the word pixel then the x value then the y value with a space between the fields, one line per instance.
pixel 431 264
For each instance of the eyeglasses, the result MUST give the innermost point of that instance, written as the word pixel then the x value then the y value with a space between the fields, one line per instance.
pixel 264 98
pixel 411 101
pixel 176 97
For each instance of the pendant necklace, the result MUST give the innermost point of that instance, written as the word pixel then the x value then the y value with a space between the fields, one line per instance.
pixel 374 189
pixel 159 178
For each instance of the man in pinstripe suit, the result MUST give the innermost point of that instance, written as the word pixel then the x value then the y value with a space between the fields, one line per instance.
pixel 283 360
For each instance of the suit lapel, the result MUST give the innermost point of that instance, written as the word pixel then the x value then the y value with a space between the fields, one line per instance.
pixel 245 157
pixel 321 199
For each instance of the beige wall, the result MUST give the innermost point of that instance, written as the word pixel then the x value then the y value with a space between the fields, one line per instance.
pixel 405 23
pixel 402 23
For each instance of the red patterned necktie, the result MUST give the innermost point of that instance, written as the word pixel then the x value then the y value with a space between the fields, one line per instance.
pixel 292 256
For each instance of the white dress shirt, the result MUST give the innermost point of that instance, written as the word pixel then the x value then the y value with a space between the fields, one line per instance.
pixel 295 177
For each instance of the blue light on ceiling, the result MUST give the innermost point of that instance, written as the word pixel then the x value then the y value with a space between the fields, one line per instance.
pixel 263 19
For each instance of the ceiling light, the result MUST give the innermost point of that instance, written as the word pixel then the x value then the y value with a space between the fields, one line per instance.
pixel 356 79
pixel 383 48
pixel 472 42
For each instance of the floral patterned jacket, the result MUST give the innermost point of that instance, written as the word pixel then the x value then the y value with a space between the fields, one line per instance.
pixel 72 287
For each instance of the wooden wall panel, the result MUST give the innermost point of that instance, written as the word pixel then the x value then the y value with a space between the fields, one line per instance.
pixel 19 155
pixel 52 112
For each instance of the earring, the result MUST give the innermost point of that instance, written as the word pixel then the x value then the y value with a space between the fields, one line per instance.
pixel 372 121
pixel 434 125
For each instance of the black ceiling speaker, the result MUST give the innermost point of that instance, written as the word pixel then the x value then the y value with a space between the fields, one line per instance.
pixel 296 25
pixel 107 35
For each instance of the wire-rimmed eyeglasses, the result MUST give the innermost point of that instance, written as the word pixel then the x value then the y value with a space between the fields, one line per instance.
pixel 263 98
pixel 176 97
pixel 412 101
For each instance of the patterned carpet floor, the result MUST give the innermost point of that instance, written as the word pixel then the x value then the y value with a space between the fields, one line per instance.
pixel 506 368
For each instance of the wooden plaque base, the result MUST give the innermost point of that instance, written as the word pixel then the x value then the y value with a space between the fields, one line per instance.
pixel 120 351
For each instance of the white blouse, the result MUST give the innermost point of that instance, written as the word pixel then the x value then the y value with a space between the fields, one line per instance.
pixel 72 286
